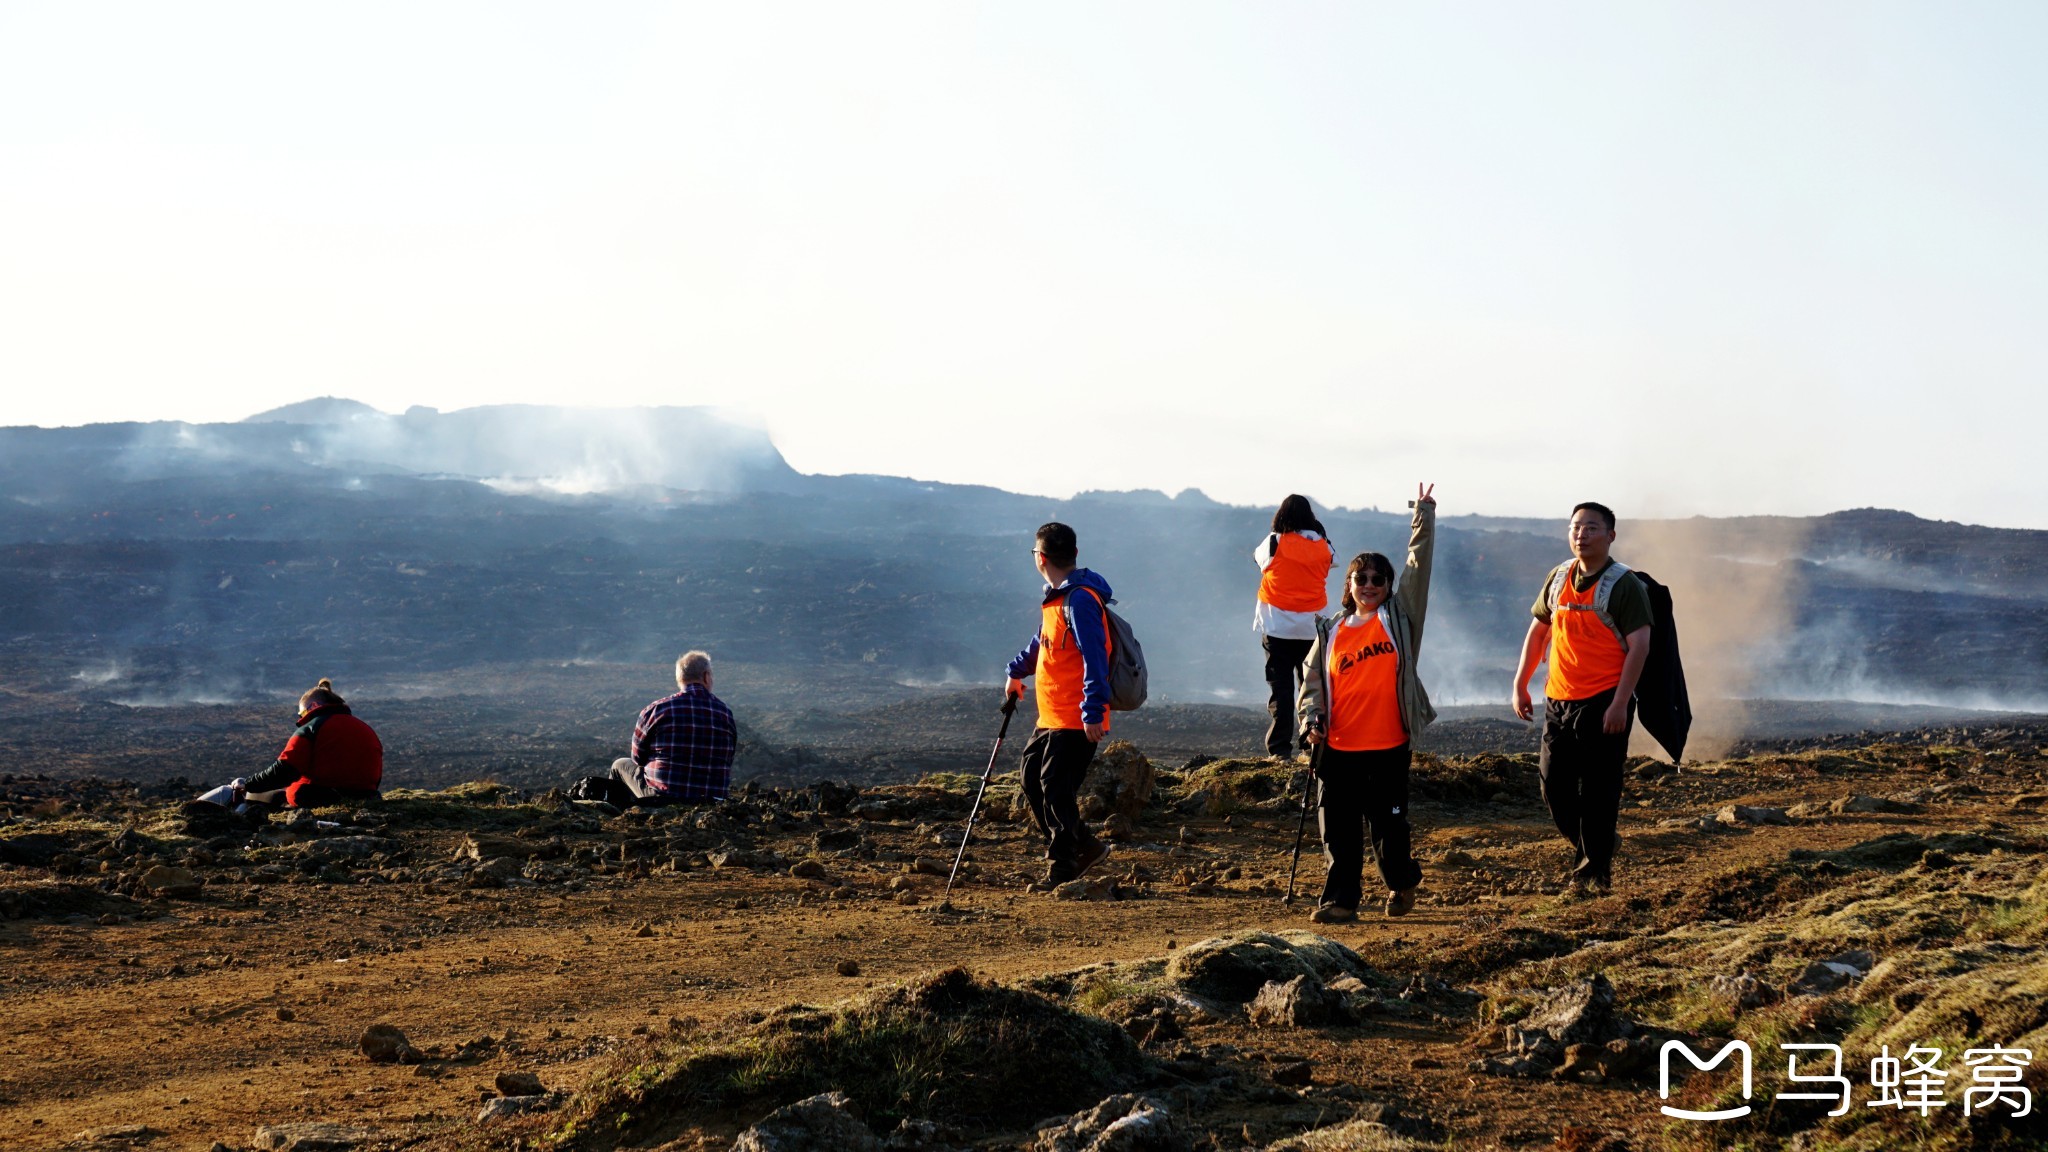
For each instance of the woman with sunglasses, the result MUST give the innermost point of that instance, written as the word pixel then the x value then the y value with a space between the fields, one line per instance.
pixel 1363 704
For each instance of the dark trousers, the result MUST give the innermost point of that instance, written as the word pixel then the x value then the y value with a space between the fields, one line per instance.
pixel 1055 762
pixel 1283 684
pixel 1361 790
pixel 1581 767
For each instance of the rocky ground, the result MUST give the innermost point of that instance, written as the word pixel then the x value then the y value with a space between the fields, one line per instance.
pixel 485 967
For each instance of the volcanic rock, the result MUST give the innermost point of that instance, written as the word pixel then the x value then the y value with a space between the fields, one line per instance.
pixel 1122 779
pixel 1294 1073
pixel 821 1123
pixel 1742 990
pixel 313 1137
pixel 1302 1002
pixel 1126 1123
pixel 1735 814
pixel 493 873
pixel 170 882
pixel 848 967
pixel 1234 968
pixel 1580 1013
pixel 385 1044
pixel 1871 804
pixel 519 1083
pixel 1087 888
pixel 501 1107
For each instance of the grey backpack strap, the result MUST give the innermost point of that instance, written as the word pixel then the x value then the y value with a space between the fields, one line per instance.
pixel 1608 579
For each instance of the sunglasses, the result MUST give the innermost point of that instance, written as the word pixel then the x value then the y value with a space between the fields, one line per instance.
pixel 1370 578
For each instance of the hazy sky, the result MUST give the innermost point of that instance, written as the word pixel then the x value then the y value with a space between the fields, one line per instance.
pixel 1709 258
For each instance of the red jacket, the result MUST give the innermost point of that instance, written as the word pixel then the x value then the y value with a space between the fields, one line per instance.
pixel 331 748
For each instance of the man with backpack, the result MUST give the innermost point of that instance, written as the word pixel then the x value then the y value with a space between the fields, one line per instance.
pixel 1593 623
pixel 1071 656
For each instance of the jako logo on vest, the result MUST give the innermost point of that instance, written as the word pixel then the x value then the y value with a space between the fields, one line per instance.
pixel 1346 660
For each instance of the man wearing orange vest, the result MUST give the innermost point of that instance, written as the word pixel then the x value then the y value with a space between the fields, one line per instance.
pixel 1070 657
pixel 1592 623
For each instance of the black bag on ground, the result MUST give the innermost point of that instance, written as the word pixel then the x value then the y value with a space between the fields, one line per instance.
pixel 606 788
pixel 1662 706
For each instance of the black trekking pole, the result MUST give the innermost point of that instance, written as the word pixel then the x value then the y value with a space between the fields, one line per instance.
pixel 1308 791
pixel 1009 707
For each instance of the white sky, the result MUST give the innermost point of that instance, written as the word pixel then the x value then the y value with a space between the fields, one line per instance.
pixel 1712 258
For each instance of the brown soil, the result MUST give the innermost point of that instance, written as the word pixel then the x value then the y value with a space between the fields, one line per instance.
pixel 172 1013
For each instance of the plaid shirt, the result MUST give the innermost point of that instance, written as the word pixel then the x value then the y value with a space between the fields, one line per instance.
pixel 686 743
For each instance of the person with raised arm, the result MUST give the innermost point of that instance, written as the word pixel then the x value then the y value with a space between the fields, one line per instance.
pixel 1363 705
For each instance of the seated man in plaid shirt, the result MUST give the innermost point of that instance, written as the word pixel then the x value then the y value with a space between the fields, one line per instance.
pixel 683 744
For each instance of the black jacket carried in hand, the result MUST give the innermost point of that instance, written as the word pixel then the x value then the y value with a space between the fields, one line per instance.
pixel 1662 706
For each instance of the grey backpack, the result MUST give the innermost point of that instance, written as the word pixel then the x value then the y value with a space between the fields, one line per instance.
pixel 1126 659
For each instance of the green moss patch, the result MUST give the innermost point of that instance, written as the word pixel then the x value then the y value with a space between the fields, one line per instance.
pixel 947 1047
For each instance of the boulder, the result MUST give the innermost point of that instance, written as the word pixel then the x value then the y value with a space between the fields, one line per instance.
pixel 1302 1002
pixel 385 1044
pixel 502 1107
pixel 1735 814
pixel 1121 779
pixel 1087 888
pixel 314 1137
pixel 1126 1123
pixel 1742 990
pixel 519 1083
pixel 821 1123
pixel 1234 968
pixel 482 846
pixel 1860 803
pixel 349 847
pixel 170 882
pixel 1823 976
pixel 493 873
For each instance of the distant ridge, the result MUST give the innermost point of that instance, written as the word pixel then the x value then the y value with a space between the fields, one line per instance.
pixel 320 410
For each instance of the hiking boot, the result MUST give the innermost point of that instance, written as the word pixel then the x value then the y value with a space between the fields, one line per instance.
pixel 1333 914
pixel 1092 853
pixel 1055 876
pixel 1399 903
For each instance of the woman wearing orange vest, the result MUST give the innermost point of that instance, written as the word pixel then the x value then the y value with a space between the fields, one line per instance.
pixel 1294 573
pixel 1362 700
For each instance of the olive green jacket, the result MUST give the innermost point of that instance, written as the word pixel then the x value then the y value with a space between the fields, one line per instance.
pixel 1403 613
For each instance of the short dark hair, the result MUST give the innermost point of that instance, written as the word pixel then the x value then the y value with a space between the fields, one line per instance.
pixel 1057 541
pixel 1295 515
pixel 1359 563
pixel 1602 510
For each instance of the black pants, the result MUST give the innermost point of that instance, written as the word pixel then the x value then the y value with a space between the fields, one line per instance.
pixel 1362 789
pixel 1283 684
pixel 1581 767
pixel 1055 762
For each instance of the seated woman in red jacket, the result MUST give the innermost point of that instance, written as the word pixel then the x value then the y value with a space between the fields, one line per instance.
pixel 332 758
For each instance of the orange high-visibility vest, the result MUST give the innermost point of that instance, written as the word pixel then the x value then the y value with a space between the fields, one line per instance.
pixel 1298 578
pixel 1585 654
pixel 1365 701
pixel 1061 672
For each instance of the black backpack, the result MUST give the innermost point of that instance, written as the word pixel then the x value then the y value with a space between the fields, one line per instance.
pixel 606 788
